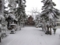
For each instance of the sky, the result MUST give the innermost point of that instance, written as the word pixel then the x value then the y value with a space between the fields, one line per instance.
pixel 37 5
pixel 33 4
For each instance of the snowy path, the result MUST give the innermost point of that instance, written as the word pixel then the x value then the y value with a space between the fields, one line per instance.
pixel 31 36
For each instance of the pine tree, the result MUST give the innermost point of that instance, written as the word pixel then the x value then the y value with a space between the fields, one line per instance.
pixel 49 13
pixel 1 15
pixel 21 10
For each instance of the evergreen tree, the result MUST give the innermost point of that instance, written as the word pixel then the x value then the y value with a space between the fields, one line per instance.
pixel 49 13
pixel 20 10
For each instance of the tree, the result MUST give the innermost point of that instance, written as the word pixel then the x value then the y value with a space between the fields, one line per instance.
pixel 49 14
pixel 20 13
pixel 0 4
pixel 0 33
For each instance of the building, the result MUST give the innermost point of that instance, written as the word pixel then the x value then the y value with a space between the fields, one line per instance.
pixel 30 21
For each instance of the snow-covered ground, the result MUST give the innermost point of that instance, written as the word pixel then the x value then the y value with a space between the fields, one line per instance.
pixel 31 36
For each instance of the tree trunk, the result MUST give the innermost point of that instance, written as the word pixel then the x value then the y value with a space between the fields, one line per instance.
pixel 0 34
pixel 20 27
pixel 47 31
pixel 50 31
pixel 42 27
pixel 0 39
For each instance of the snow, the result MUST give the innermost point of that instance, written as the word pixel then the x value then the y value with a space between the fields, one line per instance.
pixel 2 17
pixel 12 16
pixel 31 36
pixel 51 15
pixel 58 31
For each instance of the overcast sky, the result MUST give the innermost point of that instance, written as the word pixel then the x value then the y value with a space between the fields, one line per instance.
pixel 36 4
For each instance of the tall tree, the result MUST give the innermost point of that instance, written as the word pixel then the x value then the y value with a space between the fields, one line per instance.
pixel 49 13
pixel 21 10
pixel 1 15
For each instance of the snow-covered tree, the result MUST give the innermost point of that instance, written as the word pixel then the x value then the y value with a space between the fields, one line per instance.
pixel 1 15
pixel 21 10
pixel 49 13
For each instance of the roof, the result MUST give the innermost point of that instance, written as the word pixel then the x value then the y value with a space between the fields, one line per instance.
pixel 30 17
